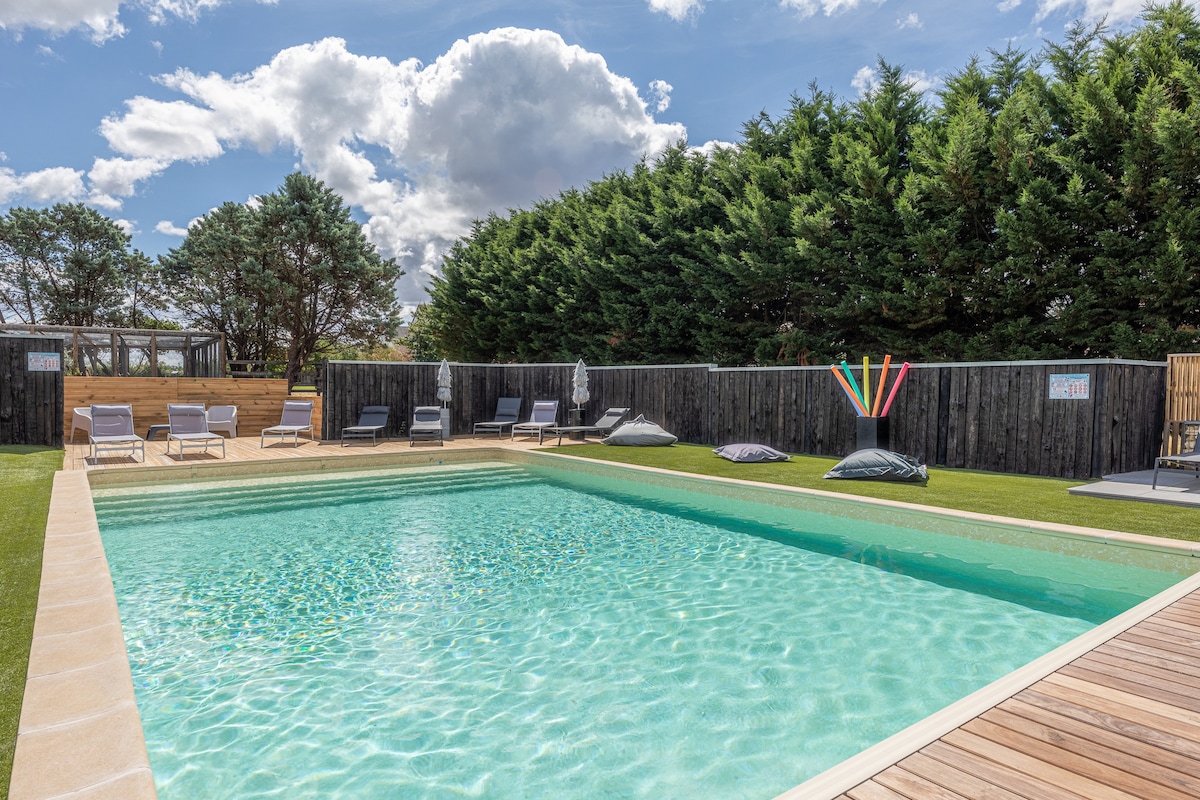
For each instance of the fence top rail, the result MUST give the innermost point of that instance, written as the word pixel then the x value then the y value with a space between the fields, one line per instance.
pixel 714 368
pixel 568 364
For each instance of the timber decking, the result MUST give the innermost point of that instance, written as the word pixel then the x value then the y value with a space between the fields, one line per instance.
pixel 1121 722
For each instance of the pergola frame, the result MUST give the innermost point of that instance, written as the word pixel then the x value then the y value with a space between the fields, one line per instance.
pixel 203 351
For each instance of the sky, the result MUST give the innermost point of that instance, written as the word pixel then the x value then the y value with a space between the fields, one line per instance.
pixel 425 115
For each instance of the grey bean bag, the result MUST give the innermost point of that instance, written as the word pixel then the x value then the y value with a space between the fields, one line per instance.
pixel 879 465
pixel 748 452
pixel 640 433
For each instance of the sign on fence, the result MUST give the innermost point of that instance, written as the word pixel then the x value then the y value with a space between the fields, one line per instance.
pixel 1071 387
pixel 44 362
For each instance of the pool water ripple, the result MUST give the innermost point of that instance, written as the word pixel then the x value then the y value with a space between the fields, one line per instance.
pixel 518 639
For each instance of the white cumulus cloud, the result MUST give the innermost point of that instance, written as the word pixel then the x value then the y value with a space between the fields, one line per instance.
pixel 100 17
pixel 168 228
pixel 1116 12
pixel 910 20
pixel 678 10
pixel 808 8
pixel 500 120
pixel 53 185
pixel 660 94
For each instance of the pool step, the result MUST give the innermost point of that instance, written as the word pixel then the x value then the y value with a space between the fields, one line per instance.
pixel 262 497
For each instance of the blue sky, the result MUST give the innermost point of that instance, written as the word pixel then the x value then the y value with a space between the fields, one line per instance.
pixel 427 114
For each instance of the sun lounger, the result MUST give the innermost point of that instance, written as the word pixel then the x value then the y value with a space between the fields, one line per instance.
pixel 508 411
pixel 112 429
pixel 81 418
pixel 544 414
pixel 297 418
pixel 189 427
pixel 426 424
pixel 605 425
pixel 1184 461
pixel 372 422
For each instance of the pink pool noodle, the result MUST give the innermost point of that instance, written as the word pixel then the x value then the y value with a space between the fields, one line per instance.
pixel 895 386
pixel 887 364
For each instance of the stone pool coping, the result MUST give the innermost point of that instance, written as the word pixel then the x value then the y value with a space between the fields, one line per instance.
pixel 80 734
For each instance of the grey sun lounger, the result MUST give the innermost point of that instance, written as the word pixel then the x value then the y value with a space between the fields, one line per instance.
pixel 605 425
pixel 372 423
pixel 296 418
pixel 1184 461
pixel 112 429
pixel 544 414
pixel 189 427
pixel 426 424
pixel 222 418
pixel 508 411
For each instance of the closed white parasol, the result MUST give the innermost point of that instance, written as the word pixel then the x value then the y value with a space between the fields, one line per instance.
pixel 444 382
pixel 580 395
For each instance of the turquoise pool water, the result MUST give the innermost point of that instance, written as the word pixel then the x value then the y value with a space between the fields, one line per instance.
pixel 503 631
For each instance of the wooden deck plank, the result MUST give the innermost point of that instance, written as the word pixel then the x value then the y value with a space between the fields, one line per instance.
pixel 999 747
pixel 1144 655
pixel 914 786
pixel 1184 681
pixel 1133 682
pixel 1131 754
pixel 1106 696
pixel 999 774
pixel 943 774
pixel 1084 758
pixel 873 791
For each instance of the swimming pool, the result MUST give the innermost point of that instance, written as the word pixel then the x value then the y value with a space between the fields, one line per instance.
pixel 511 631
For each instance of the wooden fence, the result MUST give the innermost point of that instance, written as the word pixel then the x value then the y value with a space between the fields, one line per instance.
pixel 990 416
pixel 1183 400
pixel 31 390
pixel 259 401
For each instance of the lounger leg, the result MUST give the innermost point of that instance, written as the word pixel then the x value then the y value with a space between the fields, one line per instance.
pixel 1154 483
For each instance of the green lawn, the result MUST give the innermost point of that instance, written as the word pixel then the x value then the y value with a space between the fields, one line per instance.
pixel 1043 499
pixel 26 475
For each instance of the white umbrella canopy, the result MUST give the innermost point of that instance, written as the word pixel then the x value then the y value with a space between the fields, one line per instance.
pixel 444 382
pixel 580 381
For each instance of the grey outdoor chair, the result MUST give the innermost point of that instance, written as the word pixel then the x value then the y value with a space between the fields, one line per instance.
pixel 605 425
pixel 426 424
pixel 189 427
pixel 297 418
pixel 222 418
pixel 372 423
pixel 112 429
pixel 1184 461
pixel 545 413
pixel 508 411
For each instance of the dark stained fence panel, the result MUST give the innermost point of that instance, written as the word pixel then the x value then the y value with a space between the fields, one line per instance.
pixel 989 416
pixel 31 401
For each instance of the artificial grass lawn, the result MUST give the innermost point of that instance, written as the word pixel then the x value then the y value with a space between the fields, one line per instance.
pixel 26 476
pixel 1042 499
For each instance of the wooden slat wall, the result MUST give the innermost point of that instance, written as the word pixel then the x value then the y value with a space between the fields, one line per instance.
pixel 259 401
pixel 1183 399
pixel 30 401
pixel 996 417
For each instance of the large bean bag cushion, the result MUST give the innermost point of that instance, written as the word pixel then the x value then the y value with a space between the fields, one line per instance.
pixel 748 452
pixel 879 465
pixel 640 433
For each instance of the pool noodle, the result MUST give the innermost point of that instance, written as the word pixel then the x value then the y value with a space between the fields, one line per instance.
pixel 858 407
pixel 867 384
pixel 895 386
pixel 887 363
pixel 857 392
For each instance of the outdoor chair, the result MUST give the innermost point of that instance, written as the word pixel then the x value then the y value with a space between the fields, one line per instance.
pixel 426 424
pixel 605 425
pixel 112 429
pixel 297 418
pixel 1189 460
pixel 508 411
pixel 545 413
pixel 189 427
pixel 81 418
pixel 372 422
pixel 222 418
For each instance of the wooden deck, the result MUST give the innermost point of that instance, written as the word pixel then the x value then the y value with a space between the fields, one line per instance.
pixel 1120 722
